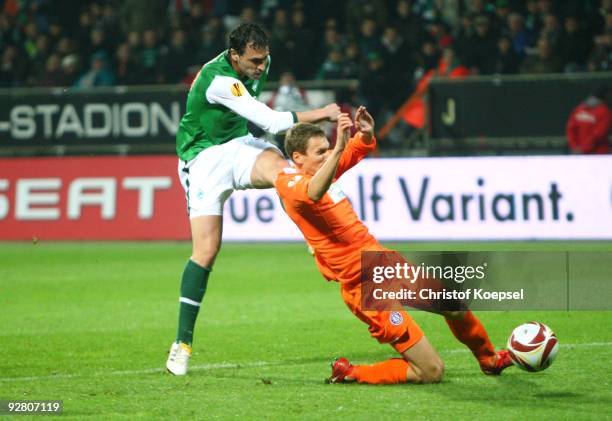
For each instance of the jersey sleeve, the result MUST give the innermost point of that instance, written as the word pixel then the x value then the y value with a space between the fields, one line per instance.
pixel 292 187
pixel 354 152
pixel 231 93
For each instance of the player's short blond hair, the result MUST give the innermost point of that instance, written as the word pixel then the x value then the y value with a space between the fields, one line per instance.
pixel 297 137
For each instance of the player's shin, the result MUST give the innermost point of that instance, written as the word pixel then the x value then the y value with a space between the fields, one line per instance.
pixel 193 288
pixel 392 371
pixel 471 332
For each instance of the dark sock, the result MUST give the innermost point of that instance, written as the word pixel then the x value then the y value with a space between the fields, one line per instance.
pixel 193 288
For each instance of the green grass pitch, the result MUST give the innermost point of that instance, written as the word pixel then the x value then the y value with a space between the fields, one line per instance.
pixel 91 324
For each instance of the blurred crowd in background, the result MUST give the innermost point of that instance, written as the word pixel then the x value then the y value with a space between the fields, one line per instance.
pixel 387 45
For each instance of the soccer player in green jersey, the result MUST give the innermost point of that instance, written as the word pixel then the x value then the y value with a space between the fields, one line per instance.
pixel 218 155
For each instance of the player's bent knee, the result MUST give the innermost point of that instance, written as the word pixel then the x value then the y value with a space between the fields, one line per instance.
pixel 269 163
pixel 433 373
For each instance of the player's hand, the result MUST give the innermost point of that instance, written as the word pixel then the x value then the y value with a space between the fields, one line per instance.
pixel 364 121
pixel 343 131
pixel 332 112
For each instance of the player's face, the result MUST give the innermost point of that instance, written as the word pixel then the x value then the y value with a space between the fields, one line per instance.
pixel 251 63
pixel 317 153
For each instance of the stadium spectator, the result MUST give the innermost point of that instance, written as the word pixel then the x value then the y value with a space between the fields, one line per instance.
pixel 601 58
pixel 546 7
pixel 507 60
pixel 83 30
pixel 127 67
pixel 533 20
pixel 352 61
pixel 333 66
pixel 368 37
pixel 519 35
pixel 279 34
pixel 13 69
pixel 56 31
pixel 150 57
pixel 195 21
pixel 98 43
pixel 399 62
pixel 300 44
pixel 502 11
pixel 71 65
pixel 464 34
pixel 29 43
pixel 481 49
pixel 134 41
pixel 375 85
pixel 209 45
pixel 288 96
pixel 588 127
pixel 545 61
pixel 427 58
pixel 575 46
pixel 176 59
pixel 142 15
pixel 438 31
pixel 551 30
pixel 66 46
pixel 410 25
pixel 98 73
pixel 359 11
pixel 38 62
pixel 53 74
pixel 332 41
pixel 481 8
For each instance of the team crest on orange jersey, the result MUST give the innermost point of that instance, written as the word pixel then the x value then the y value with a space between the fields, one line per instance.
pixel 396 318
pixel 237 89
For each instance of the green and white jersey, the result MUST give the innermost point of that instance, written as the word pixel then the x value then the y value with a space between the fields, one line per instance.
pixel 219 105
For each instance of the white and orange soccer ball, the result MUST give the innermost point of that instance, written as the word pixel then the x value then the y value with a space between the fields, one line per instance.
pixel 533 346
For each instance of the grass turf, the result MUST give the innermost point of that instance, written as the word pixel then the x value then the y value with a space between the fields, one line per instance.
pixel 91 323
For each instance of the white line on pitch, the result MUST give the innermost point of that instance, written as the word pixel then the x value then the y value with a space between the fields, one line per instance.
pixel 253 364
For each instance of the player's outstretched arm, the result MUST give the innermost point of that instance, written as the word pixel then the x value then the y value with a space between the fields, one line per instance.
pixel 330 112
pixel 322 179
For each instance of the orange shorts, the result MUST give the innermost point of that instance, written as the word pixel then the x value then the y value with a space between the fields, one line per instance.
pixel 396 328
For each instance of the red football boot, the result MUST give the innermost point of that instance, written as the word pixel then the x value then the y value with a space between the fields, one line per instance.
pixel 341 369
pixel 501 362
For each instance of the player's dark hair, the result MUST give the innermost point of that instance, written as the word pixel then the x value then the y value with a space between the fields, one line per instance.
pixel 247 34
pixel 296 139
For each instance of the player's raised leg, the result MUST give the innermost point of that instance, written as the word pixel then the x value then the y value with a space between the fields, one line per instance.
pixel 267 165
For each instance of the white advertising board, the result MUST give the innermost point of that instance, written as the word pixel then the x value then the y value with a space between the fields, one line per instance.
pixel 484 198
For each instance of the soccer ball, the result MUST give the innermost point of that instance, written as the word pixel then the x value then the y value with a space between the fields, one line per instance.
pixel 533 346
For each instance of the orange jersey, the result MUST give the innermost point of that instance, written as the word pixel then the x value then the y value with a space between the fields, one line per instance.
pixel 330 226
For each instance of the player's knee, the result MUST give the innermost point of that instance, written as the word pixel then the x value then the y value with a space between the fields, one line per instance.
pixel 205 257
pixel 433 372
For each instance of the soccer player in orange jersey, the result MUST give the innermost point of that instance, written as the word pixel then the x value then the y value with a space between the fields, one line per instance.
pixel 330 226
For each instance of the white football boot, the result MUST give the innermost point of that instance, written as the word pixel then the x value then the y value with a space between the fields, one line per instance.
pixel 178 360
